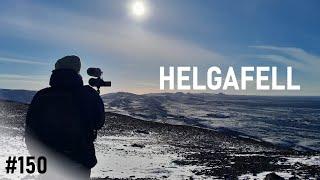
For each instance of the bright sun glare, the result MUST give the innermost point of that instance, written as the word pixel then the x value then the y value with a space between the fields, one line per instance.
pixel 138 8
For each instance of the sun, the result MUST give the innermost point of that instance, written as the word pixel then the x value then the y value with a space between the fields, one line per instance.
pixel 138 8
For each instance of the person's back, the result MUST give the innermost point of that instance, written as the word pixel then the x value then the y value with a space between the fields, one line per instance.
pixel 64 117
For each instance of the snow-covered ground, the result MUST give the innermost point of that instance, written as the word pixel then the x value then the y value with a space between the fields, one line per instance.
pixel 116 157
pixel 262 175
pixel 310 161
pixel 11 145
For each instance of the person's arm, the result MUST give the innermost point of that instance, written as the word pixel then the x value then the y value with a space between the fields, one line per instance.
pixel 100 112
pixel 31 119
pixel 31 113
pixel 97 109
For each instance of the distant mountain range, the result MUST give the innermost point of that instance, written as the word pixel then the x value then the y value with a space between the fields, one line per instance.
pixel 176 108
pixel 22 96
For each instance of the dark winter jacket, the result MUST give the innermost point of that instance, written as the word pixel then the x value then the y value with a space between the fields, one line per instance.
pixel 64 118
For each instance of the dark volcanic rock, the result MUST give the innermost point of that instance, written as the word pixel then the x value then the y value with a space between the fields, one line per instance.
pixel 138 145
pixel 294 178
pixel 218 115
pixel 273 176
pixel 142 131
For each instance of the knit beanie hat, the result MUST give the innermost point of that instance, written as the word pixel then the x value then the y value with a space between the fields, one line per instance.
pixel 69 62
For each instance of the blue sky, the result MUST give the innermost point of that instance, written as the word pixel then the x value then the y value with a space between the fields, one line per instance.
pixel 34 34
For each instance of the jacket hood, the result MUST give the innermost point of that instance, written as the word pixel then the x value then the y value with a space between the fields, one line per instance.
pixel 65 78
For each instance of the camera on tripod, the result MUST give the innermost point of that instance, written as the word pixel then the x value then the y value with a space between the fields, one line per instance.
pixel 97 81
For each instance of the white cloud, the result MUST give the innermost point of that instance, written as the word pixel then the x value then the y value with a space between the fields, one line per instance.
pixel 17 81
pixel 21 61
pixel 22 77
pixel 296 57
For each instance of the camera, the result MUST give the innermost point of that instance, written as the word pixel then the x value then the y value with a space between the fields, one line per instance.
pixel 97 81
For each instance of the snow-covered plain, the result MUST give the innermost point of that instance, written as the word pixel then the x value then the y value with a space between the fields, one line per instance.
pixel 286 121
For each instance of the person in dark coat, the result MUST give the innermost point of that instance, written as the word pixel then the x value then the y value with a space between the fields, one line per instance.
pixel 63 119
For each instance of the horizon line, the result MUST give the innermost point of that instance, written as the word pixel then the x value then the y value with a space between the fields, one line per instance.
pixel 211 93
